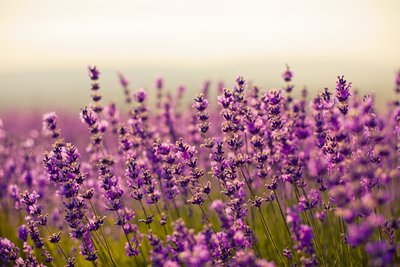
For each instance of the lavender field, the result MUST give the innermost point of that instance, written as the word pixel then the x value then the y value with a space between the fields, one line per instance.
pixel 252 177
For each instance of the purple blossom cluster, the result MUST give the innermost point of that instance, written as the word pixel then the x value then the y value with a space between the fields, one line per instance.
pixel 254 178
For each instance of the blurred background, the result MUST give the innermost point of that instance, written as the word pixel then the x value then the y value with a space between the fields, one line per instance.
pixel 46 46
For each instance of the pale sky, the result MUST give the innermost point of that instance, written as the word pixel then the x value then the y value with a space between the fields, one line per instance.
pixel 208 38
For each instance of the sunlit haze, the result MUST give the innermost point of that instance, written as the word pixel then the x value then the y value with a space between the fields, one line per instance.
pixel 46 45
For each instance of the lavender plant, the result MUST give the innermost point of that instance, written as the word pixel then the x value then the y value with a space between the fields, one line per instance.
pixel 260 178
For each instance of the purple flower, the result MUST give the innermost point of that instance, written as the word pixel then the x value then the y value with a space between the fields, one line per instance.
pixel 87 248
pixel 196 257
pixel 292 216
pixel 123 81
pixel 29 198
pixel 226 99
pixel 23 232
pixel 94 73
pixel 50 125
pixel 287 253
pixel 342 94
pixel 360 233
pixel 310 201
pixel 380 253
pixel 305 235
pixel 50 121
pixel 287 75
pixel 159 83
pixel 247 258
pixel 88 116
pixel 8 252
pixel 141 95
pixel 342 89
pixel 200 103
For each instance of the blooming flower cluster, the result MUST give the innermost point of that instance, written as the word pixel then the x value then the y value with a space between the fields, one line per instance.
pixel 255 178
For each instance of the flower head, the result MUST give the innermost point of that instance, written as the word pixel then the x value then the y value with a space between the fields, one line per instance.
pixel 94 73
pixel 287 75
